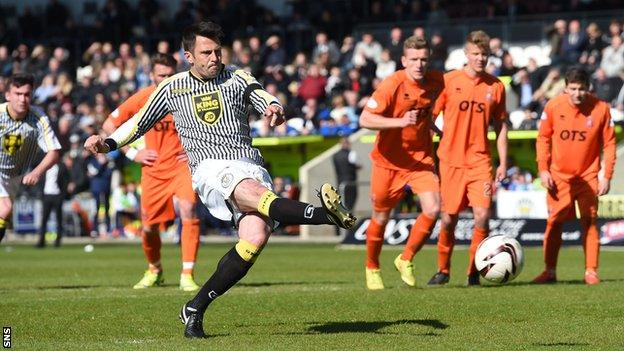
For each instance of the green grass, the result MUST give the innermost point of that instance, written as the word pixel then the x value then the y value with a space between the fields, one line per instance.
pixel 303 297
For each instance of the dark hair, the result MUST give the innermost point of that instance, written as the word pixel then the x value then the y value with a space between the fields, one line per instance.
pixel 206 29
pixel 20 79
pixel 577 75
pixel 164 59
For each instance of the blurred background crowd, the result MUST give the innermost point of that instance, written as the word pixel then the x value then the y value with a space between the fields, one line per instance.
pixel 322 59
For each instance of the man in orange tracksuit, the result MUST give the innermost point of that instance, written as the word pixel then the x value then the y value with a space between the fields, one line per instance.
pixel 471 100
pixel 400 109
pixel 165 174
pixel 575 126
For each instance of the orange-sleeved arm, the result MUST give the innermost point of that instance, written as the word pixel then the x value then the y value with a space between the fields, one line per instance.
pixel 440 102
pixel 130 107
pixel 543 143
pixel 500 113
pixel 608 145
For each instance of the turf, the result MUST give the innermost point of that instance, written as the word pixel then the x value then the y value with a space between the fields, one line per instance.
pixel 303 297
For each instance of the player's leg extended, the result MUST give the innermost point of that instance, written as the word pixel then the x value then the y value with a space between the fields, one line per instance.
pixel 446 241
pixel 189 242
pixel 374 243
pixel 480 232
pixel 151 248
pixel 588 205
pixel 6 206
pixel 233 266
pixel 286 211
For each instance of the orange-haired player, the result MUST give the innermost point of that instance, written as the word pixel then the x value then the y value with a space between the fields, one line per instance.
pixel 575 126
pixel 165 174
pixel 400 109
pixel 471 100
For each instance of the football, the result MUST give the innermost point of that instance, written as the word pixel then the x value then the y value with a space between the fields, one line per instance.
pixel 499 259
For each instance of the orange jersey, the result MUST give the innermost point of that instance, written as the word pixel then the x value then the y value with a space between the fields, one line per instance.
pixel 405 148
pixel 162 138
pixel 469 104
pixel 571 138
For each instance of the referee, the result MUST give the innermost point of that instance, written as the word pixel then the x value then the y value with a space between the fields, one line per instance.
pixel 23 128
pixel 209 104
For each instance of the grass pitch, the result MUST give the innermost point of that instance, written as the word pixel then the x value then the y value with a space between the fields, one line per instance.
pixel 303 297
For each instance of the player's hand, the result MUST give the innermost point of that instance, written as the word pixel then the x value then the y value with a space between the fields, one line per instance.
pixel 275 113
pixel 95 144
pixel 409 118
pixel 146 157
pixel 501 173
pixel 547 181
pixel 603 186
pixel 31 178
pixel 182 157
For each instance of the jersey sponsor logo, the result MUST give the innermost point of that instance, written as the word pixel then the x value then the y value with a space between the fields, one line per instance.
pixel 372 104
pixel 574 135
pixel 11 143
pixel 163 126
pixel 472 105
pixel 208 107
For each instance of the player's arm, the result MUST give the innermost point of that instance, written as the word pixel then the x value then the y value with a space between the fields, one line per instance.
pixel 155 109
pixel 260 99
pixel 500 128
pixel 122 113
pixel 543 145
pixel 376 116
pixel 47 142
pixel 608 145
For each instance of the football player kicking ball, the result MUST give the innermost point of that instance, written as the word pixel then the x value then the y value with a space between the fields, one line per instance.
pixel 400 109
pixel 575 126
pixel 471 100
pixel 164 175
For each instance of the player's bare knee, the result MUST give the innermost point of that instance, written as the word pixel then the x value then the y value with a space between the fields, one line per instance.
pixel 381 217
pixel 431 211
pixel 448 221
pixel 151 229
pixel 247 194
pixel 187 209
pixel 6 207
pixel 254 229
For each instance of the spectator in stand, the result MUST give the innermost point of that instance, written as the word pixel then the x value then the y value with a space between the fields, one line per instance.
pixel 521 85
pixel 439 52
pixel 613 58
pixel 325 46
pixel 311 119
pixel 507 68
pixel 125 204
pixel 385 66
pixel 606 88
pixel 395 46
pixel 273 54
pixel 335 82
pixel 592 55
pixel 555 34
pixel 346 53
pixel 496 53
pixel 313 85
pixel 615 30
pixel 553 85
pixel 100 171
pixel 45 91
pixel 574 43
pixel 369 48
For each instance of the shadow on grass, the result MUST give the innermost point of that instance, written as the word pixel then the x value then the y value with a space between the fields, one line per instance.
pixel 558 344
pixel 373 327
pixel 262 284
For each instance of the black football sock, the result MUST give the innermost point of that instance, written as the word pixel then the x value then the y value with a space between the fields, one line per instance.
pixel 287 211
pixel 2 231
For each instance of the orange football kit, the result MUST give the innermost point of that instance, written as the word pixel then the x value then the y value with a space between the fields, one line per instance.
pixel 402 156
pixel 469 105
pixel 569 145
pixel 167 177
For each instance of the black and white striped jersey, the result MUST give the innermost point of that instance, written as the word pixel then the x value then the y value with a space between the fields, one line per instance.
pixel 210 116
pixel 20 140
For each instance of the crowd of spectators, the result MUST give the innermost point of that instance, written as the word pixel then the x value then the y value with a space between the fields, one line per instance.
pixel 323 85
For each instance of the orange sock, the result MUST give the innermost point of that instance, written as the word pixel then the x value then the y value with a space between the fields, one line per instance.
pixel 151 248
pixel 374 241
pixel 591 244
pixel 478 235
pixel 190 244
pixel 421 230
pixel 552 243
pixel 446 242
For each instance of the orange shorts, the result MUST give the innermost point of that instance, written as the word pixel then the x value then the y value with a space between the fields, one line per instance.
pixel 462 187
pixel 157 196
pixel 387 185
pixel 561 200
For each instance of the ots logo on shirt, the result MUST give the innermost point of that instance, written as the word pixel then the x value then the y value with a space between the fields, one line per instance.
pixel 472 105
pixel 574 135
pixel 11 143
pixel 208 107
